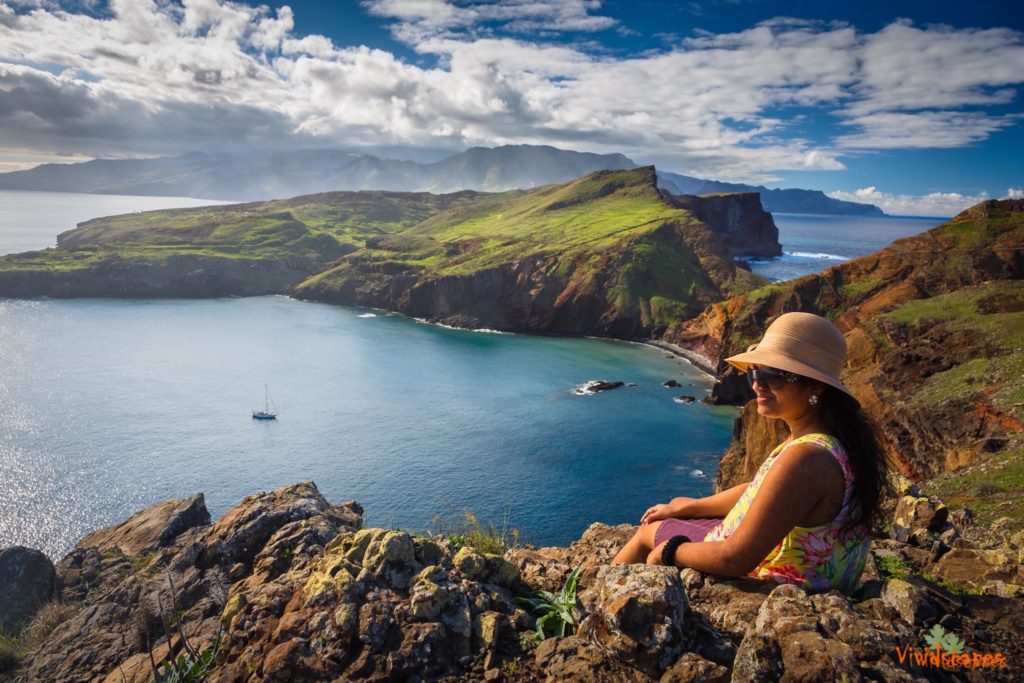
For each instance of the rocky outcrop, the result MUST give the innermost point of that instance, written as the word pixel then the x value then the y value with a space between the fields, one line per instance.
pixel 154 527
pixel 27 580
pixel 287 587
pixel 552 295
pixel 747 229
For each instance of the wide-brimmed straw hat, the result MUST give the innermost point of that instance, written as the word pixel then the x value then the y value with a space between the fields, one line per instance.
pixel 803 343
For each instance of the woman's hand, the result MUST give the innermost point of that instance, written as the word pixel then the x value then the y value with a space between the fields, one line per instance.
pixel 656 512
pixel 664 510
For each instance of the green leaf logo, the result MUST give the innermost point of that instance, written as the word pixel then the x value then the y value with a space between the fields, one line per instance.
pixel 951 643
pixel 935 636
pixel 938 637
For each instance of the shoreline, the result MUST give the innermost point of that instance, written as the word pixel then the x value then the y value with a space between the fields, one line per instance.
pixel 702 363
pixel 698 361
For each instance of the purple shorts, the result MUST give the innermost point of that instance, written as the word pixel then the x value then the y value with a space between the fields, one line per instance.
pixel 695 529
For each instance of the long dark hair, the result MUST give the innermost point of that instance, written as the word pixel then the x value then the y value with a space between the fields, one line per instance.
pixel 844 419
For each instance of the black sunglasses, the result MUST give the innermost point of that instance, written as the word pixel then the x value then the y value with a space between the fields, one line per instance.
pixel 773 377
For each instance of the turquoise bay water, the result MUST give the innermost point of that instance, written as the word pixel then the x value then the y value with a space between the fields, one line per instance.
pixel 111 405
pixel 811 243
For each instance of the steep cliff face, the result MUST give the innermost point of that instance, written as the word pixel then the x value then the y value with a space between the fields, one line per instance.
pixel 738 219
pixel 632 288
pixel 933 325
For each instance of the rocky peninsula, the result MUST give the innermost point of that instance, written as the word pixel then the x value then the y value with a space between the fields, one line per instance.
pixel 608 254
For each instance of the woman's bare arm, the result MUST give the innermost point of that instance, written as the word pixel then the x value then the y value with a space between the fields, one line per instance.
pixel 717 505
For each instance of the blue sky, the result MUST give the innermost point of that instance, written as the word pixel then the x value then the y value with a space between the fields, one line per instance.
pixel 915 107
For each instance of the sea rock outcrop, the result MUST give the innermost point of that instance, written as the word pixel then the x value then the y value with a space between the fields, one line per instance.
pixel 287 587
pixel 156 526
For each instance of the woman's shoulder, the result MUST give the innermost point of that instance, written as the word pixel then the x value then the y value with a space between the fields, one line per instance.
pixel 825 442
pixel 822 449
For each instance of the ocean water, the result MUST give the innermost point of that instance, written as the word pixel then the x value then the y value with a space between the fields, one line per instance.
pixel 111 405
pixel 811 243
pixel 32 220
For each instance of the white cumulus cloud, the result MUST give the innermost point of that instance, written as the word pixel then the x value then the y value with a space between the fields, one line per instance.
pixel 939 204
pixel 1015 193
pixel 162 77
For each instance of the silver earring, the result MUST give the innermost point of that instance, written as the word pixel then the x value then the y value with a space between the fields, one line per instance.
pixel 813 399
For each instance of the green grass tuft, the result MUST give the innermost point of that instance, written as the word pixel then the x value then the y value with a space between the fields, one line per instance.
pixel 15 644
pixel 466 529
pixel 891 566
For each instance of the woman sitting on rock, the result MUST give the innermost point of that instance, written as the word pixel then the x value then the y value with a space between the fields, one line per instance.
pixel 806 516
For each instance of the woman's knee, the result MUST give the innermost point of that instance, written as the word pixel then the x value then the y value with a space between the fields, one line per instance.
pixel 645 535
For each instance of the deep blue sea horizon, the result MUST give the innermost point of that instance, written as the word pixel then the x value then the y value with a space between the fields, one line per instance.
pixel 111 405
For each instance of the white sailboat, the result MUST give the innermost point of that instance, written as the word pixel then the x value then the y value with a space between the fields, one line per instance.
pixel 266 413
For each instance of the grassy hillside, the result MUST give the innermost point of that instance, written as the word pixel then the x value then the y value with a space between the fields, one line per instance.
pixel 607 239
pixel 259 247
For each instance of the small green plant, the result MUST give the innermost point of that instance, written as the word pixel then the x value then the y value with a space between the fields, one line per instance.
pixel 189 666
pixel 953 586
pixel 554 612
pixel 511 667
pixel 458 540
pixel 142 561
pixel 15 644
pixel 12 649
pixel 893 566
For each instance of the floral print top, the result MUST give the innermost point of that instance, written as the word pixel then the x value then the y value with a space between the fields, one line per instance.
pixel 819 557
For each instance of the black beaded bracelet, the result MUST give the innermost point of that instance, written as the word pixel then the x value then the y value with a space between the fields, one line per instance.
pixel 668 553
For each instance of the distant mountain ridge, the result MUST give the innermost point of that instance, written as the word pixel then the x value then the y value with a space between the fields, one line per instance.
pixel 258 176
pixel 780 201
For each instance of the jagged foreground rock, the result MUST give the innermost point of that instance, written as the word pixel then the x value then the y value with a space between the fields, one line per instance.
pixel 295 590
